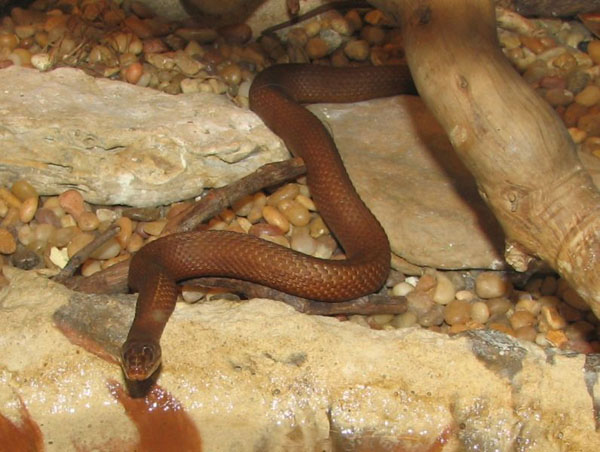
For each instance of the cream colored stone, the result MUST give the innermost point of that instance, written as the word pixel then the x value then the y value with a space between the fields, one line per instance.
pixel 123 144
pixel 296 387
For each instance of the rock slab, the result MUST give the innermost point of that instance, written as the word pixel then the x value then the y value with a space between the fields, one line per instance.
pixel 122 144
pixel 259 376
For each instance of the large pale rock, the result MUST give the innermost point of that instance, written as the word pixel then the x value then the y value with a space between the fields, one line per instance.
pixel 259 376
pixel 122 144
pixel 405 169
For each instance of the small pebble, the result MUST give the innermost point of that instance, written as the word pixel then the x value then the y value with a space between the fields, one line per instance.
pixel 294 212
pixel 457 311
pixel 287 192
pixel 444 291
pixel 593 50
pixel 357 49
pixel 108 250
pixel 8 244
pixel 480 312
pixel 402 289
pixel 72 202
pixel 498 306
pixel 553 318
pixel 522 318
pixel 276 218
pixel 404 320
pixel 10 199
pixel 589 96
pixel 23 190
pixel 491 285
pixel 317 48
pixel 88 221
pixel 526 333
pixel 301 241
pixel 90 266
pixel 28 209
pixel 78 242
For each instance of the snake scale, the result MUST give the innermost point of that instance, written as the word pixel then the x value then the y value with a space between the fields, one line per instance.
pixel 276 95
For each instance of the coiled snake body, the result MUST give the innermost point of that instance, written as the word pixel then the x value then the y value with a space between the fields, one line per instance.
pixel 276 95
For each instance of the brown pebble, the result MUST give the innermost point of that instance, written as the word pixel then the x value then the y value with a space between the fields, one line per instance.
pixel 90 266
pixel 232 74
pixel 135 243
pixel 557 338
pixel 498 306
pixel 72 202
pixel 553 318
pixel 8 244
pixel 491 285
pixel 258 202
pixel 372 34
pixel 261 229
pixel 526 333
pixel 125 231
pixel 78 242
pixel 133 72
pixel 559 97
pixel 522 318
pixel 10 198
pixel 294 212
pixel 480 312
pixel 426 283
pixel 593 51
pixel 154 227
pixel 23 190
pixel 457 311
pixel 108 250
pixel 28 209
pixel 357 49
pixel 276 218
pixel 236 33
pixel 61 237
pixel 318 227
pixel 88 221
pixel 317 48
pixel 288 191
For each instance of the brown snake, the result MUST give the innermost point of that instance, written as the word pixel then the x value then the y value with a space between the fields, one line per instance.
pixel 276 95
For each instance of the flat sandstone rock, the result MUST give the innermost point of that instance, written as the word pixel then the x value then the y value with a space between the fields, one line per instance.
pixel 122 144
pixel 257 375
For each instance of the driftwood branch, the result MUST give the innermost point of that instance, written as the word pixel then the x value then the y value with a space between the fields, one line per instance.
pixel 114 278
pixel 367 305
pixel 511 140
pixel 220 198
pixel 80 257
pixel 552 8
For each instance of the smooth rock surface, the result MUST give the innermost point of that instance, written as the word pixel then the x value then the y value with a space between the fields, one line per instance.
pixel 406 171
pixel 122 144
pixel 259 376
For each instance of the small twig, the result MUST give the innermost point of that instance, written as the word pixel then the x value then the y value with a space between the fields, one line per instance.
pixel 367 305
pixel 344 4
pixel 220 198
pixel 79 258
pixel 114 278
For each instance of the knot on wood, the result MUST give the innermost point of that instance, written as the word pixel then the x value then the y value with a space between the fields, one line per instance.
pixel 422 15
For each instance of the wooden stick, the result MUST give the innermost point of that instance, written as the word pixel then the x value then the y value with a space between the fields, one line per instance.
pixel 554 8
pixel 516 146
pixel 367 305
pixel 79 258
pixel 114 278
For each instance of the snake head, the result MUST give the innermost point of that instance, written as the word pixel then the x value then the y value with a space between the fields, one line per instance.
pixel 140 359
